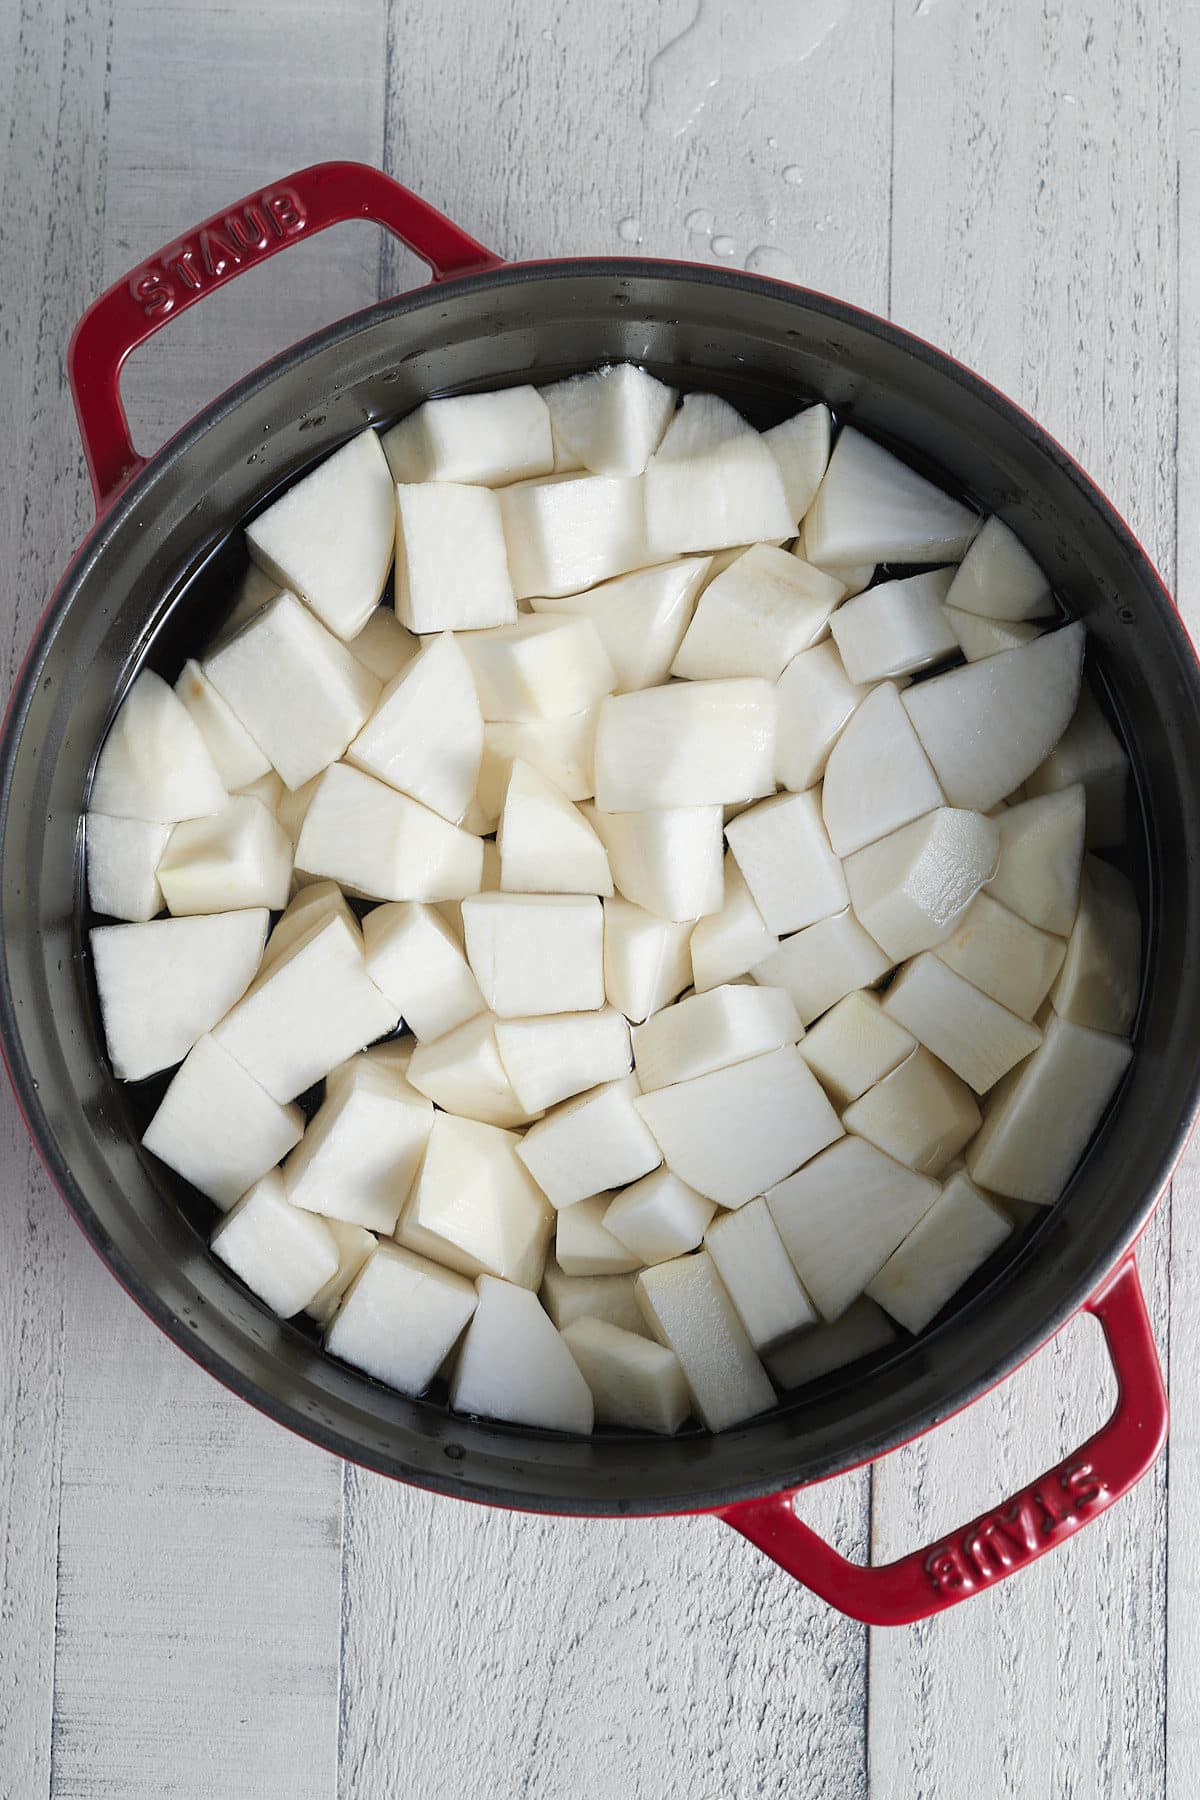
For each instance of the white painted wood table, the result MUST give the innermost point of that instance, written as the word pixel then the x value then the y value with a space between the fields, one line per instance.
pixel 192 1603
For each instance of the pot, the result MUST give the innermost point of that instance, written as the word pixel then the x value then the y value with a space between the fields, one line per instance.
pixel 150 581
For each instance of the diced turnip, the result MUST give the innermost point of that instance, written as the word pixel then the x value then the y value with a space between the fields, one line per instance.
pixel 383 645
pixel 782 850
pixel 425 737
pixel 394 1054
pixel 646 959
pixel 536 953
pixel 1041 853
pixel 484 439
pixel 842 1215
pixel 998 578
pixel 641 618
pixel 590 1145
pixel 318 900
pixel 754 618
pixel 154 763
pixel 877 777
pixel 582 1244
pixel 669 861
pixel 855 1045
pixel 732 1133
pixel 1089 751
pixel 298 691
pixel 451 565
pixel 560 749
pixel 307 1012
pixel 971 1033
pixel 871 507
pixel 758 1274
pixel 658 1217
pixel 1101 974
pixel 401 1318
pixel 611 420
pixel 268 790
pixel 820 965
pixel 862 1329
pixel 854 577
pixel 217 1127
pixel 545 666
pixel 636 1383
pixel 711 1031
pixel 546 845
pixel 283 1256
pixel 727 944
pixel 293 807
pixel 550 1059
pixel 713 483
pixel 566 461
pixel 801 448
pixel 238 857
pixel 415 960
pixel 1004 955
pixel 474 1208
pixel 463 1073
pixel 694 743
pixel 690 1312
pixel 121 857
pixel 815 698
pixel 382 844
pixel 979 637
pixel 362 1148
pixel 896 628
pixel 910 889
pixel 986 728
pixel 1038 1121
pixel 238 758
pixel 957 1235
pixel 566 534
pixel 608 1297
pixel 921 1114
pixel 353 1246
pixel 514 1366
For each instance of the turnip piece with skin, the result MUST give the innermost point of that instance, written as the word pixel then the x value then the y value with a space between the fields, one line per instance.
pixel 546 666
pixel 1041 854
pixel 536 953
pixel 842 1216
pixel 979 637
pixel 861 1330
pixel 756 616
pixel 353 1246
pixel 895 628
pixel 296 688
pixel 971 1033
pixel 871 507
pixel 710 1031
pixel 283 1255
pixel 582 1245
pixel 877 776
pixel 568 533
pixel 164 984
pixel 362 1147
pixel 669 861
pixel 382 844
pixel 759 1275
pixel 641 617
pixel 713 483
pixel 801 448
pixel 910 889
pixel 236 858
pixel 921 1114
pixel 646 959
pixel 121 857
pixel 484 440
pixel 611 420
pixel 463 1073
pixel 154 763
pixel 729 943
pixel 1101 973
pixel 473 1208
pixel 401 1318
pixel 546 844
pixel 783 851
pixel 854 1046
pixel 318 900
pixel 815 700
pixel 819 966
pixel 955 1237
pixel 217 1127
pixel 383 645
pixel 417 962
pixel 998 578
pixel 329 538
pixel 1089 751
pixel 732 1133
pixel 608 1297
pixel 688 1309
pixel 1004 955
pixel 590 1145
pixel 636 1384
pixel 987 727
pixel 238 758
pixel 1038 1121
pixel 658 1217
pixel 425 736
pixel 514 1366
pixel 550 1059
pixel 693 743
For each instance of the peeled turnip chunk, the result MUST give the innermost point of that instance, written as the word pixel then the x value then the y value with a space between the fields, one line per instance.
pixel 382 844
pixel 317 901
pixel 815 699
pixel 560 749
pixel 283 1255
pixel 971 1033
pixel 871 507
pixel 758 1274
pixel 877 777
pixel 646 960
pixel 451 565
pixel 238 758
pixel 582 1245
pixel 415 960
pixel 731 942
pixel 861 1329
pixel 401 1318
pixel 590 1145
pixel 658 1217
pixel 782 850
pixel 383 645
pixel 689 1311
pixel 1041 853
pixel 896 628
pixel 474 1208
pixel 513 1365
pixel 425 737
pixel 816 967
pixel 635 1383
pixel 464 1074
pixel 353 1246
pixel 713 483
pixel 854 1046
pixel 957 1235
pixel 910 890
pixel 238 857
pixel 711 1031
pixel 920 1114
pixel 669 861
pixel 979 637
pixel 612 419
pixel 801 448
pixel 481 439
pixel 217 1127
pixel 154 763
pixel 1089 751
pixel 854 577
pixel 694 743
pixel 641 618
pixel 565 534
pixel 1004 955
pixel 362 1147
pixel 545 666
pixel 756 616
pixel 999 579
pixel 122 857
pixel 536 953
pixel 608 1297
pixel 546 845
pixel 1101 974
pixel 549 1059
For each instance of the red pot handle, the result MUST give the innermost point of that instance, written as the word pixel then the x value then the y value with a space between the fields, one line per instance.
pixel 999 1542
pixel 238 238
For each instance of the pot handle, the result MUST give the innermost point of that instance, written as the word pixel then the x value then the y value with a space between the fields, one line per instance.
pixel 237 238
pixel 1001 1541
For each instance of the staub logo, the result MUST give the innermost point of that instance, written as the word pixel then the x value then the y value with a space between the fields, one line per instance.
pixel 1015 1534
pixel 231 242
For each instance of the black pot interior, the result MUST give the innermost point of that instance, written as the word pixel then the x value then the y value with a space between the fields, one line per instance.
pixel 152 583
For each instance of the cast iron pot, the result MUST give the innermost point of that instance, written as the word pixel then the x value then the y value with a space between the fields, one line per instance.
pixel 149 582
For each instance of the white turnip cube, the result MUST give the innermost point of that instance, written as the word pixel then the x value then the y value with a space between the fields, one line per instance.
pixel 713 483
pixel 710 1031
pixel 122 857
pixel 756 616
pixel 549 1059
pixel 362 1148
pixel 238 758
pixel 1089 751
pixel 560 749
pixel 871 507
pixel 801 448
pixel 758 1274
pixel 590 1145
pixel 782 849
pixel 690 1312
pixel 855 1045
pixel 383 645
pixel 815 699
pixel 415 960
pixel 474 1208
pixel 641 618
pixel 425 737
pixel 608 1297
pixel 536 953
pixel 817 967
pixel 547 665
pixel 896 628
pixel 218 1128
pixel 238 857
pixel 862 1329
pixel 1101 973
pixel 1004 955
pixel 582 1244
pixel 1041 855
pixel 154 764
pixel 646 959
pixel 693 743
pixel 611 420
pixel 909 890
pixel 514 1366
pixel 877 776
pixel 317 901
pixel 636 1383
pixel 451 566
pixel 954 1238
pixel 353 1246
pixel 978 637
pixel 965 1029
pixel 401 1318
pixel 283 1256
pixel 670 861
pixel 731 942
pixel 382 844
pixel 921 1114
pixel 568 533
pixel 999 579
pixel 293 806
pixel 483 439
pixel 854 576
pixel 463 1073
pixel 659 1217
pixel 546 844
